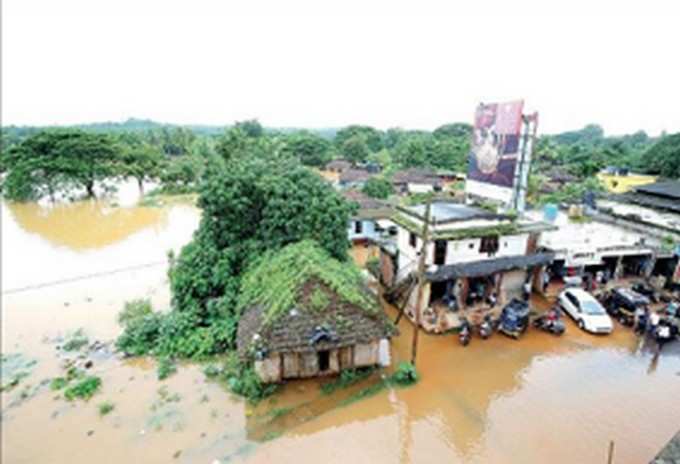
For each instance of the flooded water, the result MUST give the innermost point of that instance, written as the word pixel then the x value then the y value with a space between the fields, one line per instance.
pixel 537 400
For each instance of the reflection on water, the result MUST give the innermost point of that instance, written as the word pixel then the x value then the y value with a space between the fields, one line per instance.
pixel 84 225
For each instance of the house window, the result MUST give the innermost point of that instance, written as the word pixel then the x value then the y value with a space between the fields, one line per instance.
pixel 489 245
pixel 412 240
pixel 324 360
pixel 439 252
pixel 358 227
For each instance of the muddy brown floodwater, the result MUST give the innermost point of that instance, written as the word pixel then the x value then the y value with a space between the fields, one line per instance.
pixel 538 400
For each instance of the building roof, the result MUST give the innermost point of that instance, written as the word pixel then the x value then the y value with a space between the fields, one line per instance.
pixel 447 211
pixel 338 165
pixel 369 208
pixel 488 266
pixel 415 176
pixel 355 175
pixel 293 295
pixel 666 189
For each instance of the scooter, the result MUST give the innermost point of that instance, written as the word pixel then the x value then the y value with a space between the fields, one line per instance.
pixel 486 327
pixel 550 322
pixel 465 332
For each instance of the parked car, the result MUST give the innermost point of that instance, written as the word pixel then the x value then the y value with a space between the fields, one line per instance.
pixel 514 318
pixel 586 311
pixel 621 304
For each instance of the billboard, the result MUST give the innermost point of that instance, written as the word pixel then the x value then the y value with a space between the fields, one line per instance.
pixel 495 150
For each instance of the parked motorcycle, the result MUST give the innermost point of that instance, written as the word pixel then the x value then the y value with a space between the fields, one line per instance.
pixel 465 332
pixel 486 327
pixel 550 322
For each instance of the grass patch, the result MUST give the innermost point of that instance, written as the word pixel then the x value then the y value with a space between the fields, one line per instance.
pixel 166 367
pixel 347 378
pixel 83 389
pixel 105 408
pixel 279 412
pixel 58 383
pixel 76 341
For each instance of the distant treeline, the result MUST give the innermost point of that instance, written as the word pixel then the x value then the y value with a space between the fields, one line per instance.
pixel 39 162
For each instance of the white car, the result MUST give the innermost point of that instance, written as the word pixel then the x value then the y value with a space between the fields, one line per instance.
pixel 586 311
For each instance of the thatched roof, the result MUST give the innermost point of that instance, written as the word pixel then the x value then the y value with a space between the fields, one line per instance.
pixel 289 295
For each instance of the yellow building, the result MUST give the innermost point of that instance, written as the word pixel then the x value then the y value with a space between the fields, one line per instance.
pixel 622 181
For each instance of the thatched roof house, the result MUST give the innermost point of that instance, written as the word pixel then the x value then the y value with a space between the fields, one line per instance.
pixel 306 314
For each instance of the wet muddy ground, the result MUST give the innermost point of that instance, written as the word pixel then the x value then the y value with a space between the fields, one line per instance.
pixel 536 400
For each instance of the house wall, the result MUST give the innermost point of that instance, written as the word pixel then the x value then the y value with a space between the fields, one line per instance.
pixel 458 251
pixel 292 365
pixel 367 229
pixel 420 188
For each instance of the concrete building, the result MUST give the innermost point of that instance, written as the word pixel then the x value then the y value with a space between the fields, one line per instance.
pixel 365 224
pixel 473 253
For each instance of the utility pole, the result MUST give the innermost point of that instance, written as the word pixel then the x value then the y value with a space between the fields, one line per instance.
pixel 421 279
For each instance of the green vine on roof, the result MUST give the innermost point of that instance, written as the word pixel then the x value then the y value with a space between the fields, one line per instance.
pixel 276 280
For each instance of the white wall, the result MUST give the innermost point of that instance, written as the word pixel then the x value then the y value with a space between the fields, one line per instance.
pixel 420 188
pixel 459 251
pixel 367 230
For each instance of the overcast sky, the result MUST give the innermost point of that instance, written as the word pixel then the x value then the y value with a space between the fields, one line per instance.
pixel 391 63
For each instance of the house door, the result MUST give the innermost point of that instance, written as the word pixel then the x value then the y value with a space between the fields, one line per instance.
pixel 439 252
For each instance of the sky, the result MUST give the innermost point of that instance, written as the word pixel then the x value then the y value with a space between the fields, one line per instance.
pixel 305 63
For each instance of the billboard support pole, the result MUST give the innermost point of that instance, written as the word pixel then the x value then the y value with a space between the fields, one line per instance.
pixel 522 172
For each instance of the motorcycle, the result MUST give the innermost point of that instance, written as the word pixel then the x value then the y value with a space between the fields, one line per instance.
pixel 465 333
pixel 550 322
pixel 486 327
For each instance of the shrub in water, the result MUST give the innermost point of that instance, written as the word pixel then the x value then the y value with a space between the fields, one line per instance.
pixel 84 389
pixel 405 374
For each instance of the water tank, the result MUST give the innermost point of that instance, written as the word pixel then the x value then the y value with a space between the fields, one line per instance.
pixel 550 212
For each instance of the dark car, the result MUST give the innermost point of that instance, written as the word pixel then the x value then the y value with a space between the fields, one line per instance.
pixel 621 304
pixel 514 318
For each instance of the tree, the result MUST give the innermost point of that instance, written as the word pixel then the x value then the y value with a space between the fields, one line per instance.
pixel 143 162
pixel 370 136
pixel 182 174
pixel 251 127
pixel 454 130
pixel 309 148
pixel 355 149
pixel 415 151
pixel 56 161
pixel 377 187
pixel 664 157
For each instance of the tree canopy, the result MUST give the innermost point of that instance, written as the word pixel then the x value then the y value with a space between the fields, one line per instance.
pixel 664 157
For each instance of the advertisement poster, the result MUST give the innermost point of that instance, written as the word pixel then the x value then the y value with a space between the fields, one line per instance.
pixel 496 143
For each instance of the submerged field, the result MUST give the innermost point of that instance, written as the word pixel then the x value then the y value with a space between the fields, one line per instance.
pixel 540 399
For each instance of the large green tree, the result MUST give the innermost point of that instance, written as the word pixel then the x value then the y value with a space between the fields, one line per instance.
pixel 309 148
pixel 355 149
pixel 142 162
pixel 371 136
pixel 664 157
pixel 56 161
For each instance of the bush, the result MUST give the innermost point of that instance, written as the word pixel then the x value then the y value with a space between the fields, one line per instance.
pixel 106 407
pixel 76 341
pixel 58 383
pixel 166 367
pixel 84 389
pixel 405 374
pixel 242 380
pixel 377 187
pixel 134 310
